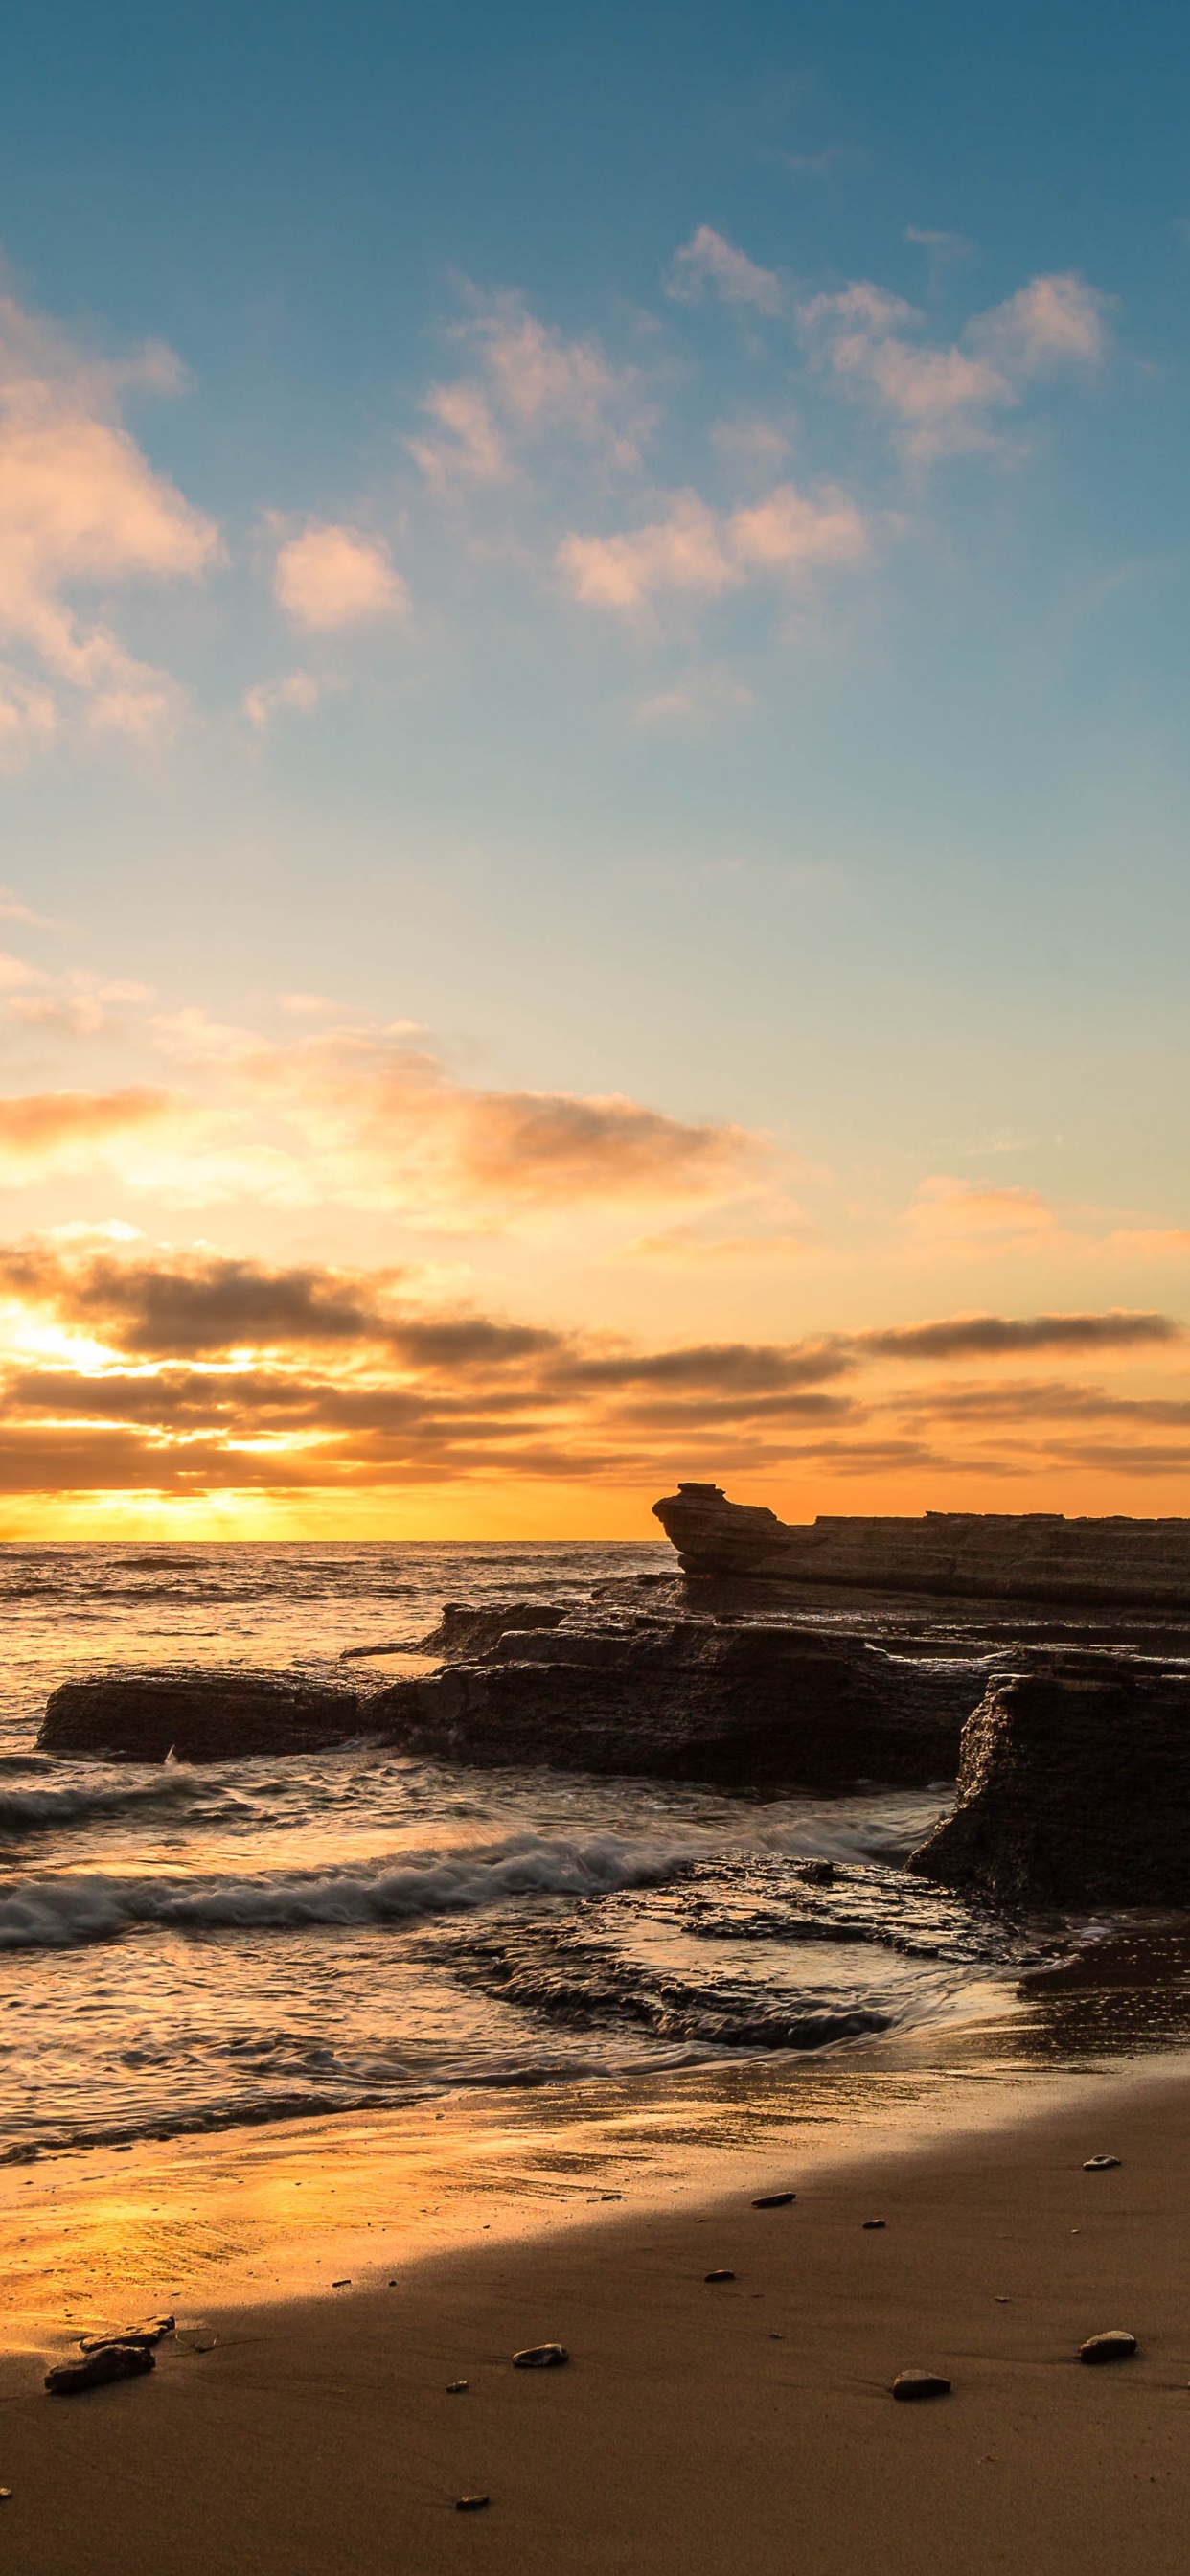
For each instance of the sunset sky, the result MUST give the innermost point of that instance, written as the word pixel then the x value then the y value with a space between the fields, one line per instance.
pixel 593 748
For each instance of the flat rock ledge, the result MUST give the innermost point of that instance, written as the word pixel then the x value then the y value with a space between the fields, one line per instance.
pixel 1074 1787
pixel 1024 1556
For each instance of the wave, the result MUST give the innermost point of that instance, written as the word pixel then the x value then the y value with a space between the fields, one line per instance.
pixel 24 1811
pixel 64 1912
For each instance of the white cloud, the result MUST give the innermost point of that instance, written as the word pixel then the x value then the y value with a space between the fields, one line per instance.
pixel 707 261
pixel 297 693
pixel 947 400
pixel 332 577
pixel 81 509
pixel 531 384
pixel 701 553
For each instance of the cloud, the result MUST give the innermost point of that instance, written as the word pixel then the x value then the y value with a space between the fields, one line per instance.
pixel 701 698
pixel 332 577
pixel 296 693
pixel 964 1336
pixel 189 1371
pixel 975 1216
pixel 81 511
pixel 54 1131
pixel 948 400
pixel 700 554
pixel 531 384
pixel 707 261
pixel 387 1122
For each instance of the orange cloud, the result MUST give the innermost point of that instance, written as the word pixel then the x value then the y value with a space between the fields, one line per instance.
pixel 532 384
pixel 203 1374
pixel 333 577
pixel 700 553
pixel 55 1131
pixel 947 400
pixel 81 510
pixel 975 1216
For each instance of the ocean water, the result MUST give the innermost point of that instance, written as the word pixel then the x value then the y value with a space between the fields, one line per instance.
pixel 190 1948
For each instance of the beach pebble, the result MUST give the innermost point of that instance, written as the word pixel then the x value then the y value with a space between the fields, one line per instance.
pixel 456 2387
pixel 920 2383
pixel 1115 2345
pixel 541 2356
pixel 775 2200
pixel 718 2276
pixel 1100 2164
pixel 471 2504
pixel 151 2332
pixel 109 2361
pixel 875 2222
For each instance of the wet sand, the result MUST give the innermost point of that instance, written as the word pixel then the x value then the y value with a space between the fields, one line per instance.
pixel 700 2428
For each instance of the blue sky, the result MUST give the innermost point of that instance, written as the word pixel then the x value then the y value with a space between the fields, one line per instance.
pixel 631 558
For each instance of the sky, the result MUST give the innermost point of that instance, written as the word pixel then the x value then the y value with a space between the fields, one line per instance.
pixel 593 759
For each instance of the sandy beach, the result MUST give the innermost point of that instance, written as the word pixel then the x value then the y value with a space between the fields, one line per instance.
pixel 699 2426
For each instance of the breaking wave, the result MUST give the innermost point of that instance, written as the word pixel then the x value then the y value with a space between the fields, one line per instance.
pixel 61 1912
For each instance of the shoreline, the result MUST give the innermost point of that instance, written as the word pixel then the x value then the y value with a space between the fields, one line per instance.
pixel 699 2427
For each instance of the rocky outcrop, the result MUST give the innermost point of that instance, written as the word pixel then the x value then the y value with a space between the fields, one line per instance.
pixel 465 1631
pixel 1074 1787
pixel 141 1716
pixel 1031 1556
pixel 462 1630
pixel 751 1705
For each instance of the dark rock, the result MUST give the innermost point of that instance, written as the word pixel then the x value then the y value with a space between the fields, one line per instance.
pixel 463 1630
pixel 1029 1556
pixel 871 2223
pixel 911 2384
pixel 1115 2345
pixel 106 2362
pixel 752 1704
pixel 775 2200
pixel 1100 2164
pixel 718 2276
pixel 1074 1787
pixel 202 1716
pixel 457 2387
pixel 151 2332
pixel 541 2356
pixel 471 2504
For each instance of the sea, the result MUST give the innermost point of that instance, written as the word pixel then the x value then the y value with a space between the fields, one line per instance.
pixel 187 1949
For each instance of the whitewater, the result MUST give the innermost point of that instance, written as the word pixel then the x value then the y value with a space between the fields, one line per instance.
pixel 186 1948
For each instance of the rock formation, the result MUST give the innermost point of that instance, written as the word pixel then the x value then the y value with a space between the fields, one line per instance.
pixel 202 1716
pixel 748 1705
pixel 1074 1787
pixel 1031 1556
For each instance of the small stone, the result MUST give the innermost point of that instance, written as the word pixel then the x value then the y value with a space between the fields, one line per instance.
pixel 718 2276
pixel 151 2332
pixel 775 2200
pixel 1100 2164
pixel 108 2361
pixel 345 2284
pixel 910 2384
pixel 457 2387
pixel 471 2504
pixel 875 2222
pixel 541 2356
pixel 1115 2345
pixel 5 2495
